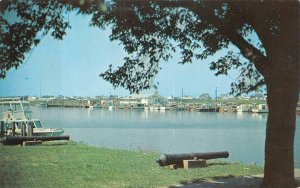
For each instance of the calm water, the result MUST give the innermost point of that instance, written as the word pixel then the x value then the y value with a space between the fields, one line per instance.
pixel 242 134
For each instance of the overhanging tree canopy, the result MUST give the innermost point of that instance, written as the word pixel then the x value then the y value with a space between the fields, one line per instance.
pixel 156 29
pixel 152 31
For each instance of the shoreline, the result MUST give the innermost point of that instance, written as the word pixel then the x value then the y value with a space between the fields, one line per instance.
pixel 56 164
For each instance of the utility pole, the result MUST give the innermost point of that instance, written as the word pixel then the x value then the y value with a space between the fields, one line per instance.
pixel 181 93
pixel 173 91
pixel 216 92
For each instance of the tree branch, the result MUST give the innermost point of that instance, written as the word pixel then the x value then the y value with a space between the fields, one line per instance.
pixel 226 28
pixel 249 51
pixel 229 30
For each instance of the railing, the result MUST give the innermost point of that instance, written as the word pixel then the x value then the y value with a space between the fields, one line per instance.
pixel 17 114
pixel 28 114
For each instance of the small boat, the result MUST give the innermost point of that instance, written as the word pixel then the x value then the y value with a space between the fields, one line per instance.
pixel 17 116
pixel 156 107
pixel 261 108
pixel 38 129
pixel 139 107
pixel 243 108
pixel 97 106
pixel 163 108
pixel 42 104
pixel 207 108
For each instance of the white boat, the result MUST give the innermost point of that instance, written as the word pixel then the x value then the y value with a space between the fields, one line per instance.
pixel 42 104
pixel 243 108
pixel 97 106
pixel 156 108
pixel 163 108
pixel 261 108
pixel 139 107
pixel 38 129
pixel 19 114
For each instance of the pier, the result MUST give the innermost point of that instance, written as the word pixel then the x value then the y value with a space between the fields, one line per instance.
pixel 68 103
pixel 194 105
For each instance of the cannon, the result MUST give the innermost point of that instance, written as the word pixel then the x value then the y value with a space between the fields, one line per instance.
pixel 15 140
pixel 170 159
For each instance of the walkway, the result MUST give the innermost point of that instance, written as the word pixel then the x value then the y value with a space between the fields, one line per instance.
pixel 245 182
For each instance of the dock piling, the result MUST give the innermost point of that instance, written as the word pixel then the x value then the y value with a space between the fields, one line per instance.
pixel 29 130
pixel 2 128
pixel 13 129
pixel 23 130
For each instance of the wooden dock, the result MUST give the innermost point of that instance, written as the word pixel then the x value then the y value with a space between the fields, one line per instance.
pixel 68 103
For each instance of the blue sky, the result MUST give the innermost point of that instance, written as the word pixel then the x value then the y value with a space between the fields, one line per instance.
pixel 71 67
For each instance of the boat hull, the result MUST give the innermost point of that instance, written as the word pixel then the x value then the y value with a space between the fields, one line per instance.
pixel 48 132
pixel 260 111
pixel 44 132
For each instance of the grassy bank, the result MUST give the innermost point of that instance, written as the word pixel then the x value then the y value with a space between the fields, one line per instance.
pixel 76 165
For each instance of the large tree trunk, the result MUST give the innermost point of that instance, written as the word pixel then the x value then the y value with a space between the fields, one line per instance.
pixel 279 147
pixel 283 82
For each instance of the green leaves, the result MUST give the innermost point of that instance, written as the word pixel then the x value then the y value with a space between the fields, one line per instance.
pixel 154 29
pixel 225 63
pixel 151 32
pixel 134 75
pixel 23 24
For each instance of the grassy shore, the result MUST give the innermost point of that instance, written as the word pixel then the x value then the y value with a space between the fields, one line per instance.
pixel 76 165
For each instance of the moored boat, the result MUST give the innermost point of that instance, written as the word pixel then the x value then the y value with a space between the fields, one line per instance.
pixel 243 108
pixel 16 118
pixel 261 108
pixel 165 107
pixel 139 107
pixel 208 108
pixel 97 106
pixel 42 104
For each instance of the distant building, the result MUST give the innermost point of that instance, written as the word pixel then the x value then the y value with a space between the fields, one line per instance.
pixel 32 98
pixel 144 99
pixel 170 98
pixel 226 96
pixel 204 96
pixel 187 98
pixel 60 97
pixel 113 96
pixel 47 98
pixel 259 96
pixel 99 97
pixel 244 97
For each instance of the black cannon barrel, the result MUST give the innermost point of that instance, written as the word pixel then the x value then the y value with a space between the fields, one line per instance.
pixel 15 140
pixel 169 159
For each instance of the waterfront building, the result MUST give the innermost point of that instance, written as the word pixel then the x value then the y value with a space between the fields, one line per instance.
pixel 143 99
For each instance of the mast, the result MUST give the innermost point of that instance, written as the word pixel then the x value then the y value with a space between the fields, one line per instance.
pixel 173 91
pixel 181 93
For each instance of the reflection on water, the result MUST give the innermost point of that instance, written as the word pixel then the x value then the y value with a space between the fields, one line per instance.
pixel 259 117
pixel 242 134
pixel 254 116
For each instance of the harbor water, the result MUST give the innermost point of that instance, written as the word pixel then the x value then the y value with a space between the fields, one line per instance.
pixel 242 134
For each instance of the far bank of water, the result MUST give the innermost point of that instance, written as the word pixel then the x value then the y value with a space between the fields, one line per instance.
pixel 242 134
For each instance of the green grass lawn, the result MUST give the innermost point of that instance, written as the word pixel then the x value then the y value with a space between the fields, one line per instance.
pixel 76 165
